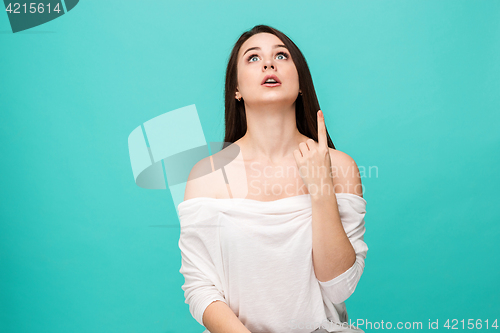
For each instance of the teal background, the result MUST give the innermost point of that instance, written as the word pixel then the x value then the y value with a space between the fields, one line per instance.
pixel 410 88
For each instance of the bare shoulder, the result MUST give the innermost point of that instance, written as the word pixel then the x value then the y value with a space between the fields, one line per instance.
pixel 199 173
pixel 345 173
pixel 206 178
pixel 202 180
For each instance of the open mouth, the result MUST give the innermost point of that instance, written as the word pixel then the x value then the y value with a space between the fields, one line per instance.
pixel 271 84
pixel 271 81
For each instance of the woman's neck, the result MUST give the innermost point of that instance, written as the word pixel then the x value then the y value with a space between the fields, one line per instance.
pixel 272 134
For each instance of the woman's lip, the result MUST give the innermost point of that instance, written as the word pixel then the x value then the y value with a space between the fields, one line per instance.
pixel 272 84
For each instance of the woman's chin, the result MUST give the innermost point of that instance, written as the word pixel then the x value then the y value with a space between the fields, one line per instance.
pixel 276 99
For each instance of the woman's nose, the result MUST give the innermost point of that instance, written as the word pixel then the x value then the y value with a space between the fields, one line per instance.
pixel 268 64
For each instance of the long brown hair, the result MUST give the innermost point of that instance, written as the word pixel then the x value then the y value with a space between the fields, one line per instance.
pixel 306 104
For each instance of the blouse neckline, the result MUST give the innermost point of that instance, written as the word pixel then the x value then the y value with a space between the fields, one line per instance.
pixel 296 199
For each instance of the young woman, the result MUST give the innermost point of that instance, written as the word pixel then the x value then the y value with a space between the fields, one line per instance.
pixel 272 235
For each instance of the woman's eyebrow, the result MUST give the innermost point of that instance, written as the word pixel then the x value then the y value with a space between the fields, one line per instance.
pixel 258 48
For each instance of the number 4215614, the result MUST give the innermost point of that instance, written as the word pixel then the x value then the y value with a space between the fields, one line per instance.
pixel 34 8
pixel 478 324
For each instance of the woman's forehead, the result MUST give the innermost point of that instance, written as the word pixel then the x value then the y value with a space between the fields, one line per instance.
pixel 262 37
pixel 262 40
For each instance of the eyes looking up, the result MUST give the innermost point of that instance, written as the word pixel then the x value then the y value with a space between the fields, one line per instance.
pixel 281 53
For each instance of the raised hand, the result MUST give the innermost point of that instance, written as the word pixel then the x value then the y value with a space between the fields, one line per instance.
pixel 313 161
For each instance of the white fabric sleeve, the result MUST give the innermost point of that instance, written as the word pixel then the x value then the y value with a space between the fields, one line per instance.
pixel 352 209
pixel 198 243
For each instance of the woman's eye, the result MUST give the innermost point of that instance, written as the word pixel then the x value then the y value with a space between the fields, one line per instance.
pixel 281 54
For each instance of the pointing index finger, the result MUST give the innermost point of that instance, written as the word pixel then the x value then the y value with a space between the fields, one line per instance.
pixel 322 140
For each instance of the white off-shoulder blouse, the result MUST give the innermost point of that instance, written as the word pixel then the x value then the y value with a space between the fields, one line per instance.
pixel 256 256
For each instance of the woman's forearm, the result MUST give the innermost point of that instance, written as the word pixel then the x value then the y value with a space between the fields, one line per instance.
pixel 219 318
pixel 333 253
